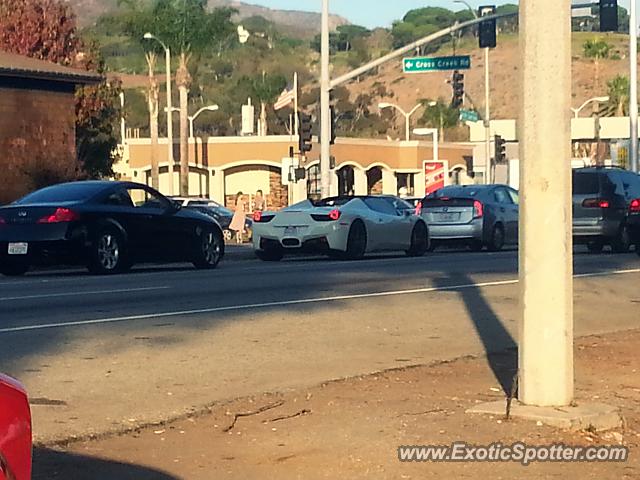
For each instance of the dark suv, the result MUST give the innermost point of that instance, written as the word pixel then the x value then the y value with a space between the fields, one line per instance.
pixel 602 200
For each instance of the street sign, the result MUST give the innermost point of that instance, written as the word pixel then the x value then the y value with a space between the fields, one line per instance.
pixel 469 115
pixel 435 64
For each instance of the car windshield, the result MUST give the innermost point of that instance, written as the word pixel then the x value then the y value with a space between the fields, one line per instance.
pixel 586 183
pixel 65 193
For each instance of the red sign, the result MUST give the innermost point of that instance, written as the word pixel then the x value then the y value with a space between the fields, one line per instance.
pixel 434 174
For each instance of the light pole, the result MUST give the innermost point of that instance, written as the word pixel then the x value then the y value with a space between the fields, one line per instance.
pixel 325 109
pixel 487 105
pixel 633 79
pixel 210 108
pixel 576 111
pixel 191 118
pixel 167 55
pixel 407 116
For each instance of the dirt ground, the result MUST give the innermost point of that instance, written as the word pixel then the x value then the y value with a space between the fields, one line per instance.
pixel 352 428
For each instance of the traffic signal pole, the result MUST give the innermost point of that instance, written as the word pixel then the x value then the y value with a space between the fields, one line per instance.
pixel 487 119
pixel 546 251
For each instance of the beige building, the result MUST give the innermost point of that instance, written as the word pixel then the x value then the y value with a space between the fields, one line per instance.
pixel 223 166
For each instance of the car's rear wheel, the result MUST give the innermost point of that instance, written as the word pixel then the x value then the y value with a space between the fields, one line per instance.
pixel 419 240
pixel 497 239
pixel 14 268
pixel 622 242
pixel 595 246
pixel 270 255
pixel 356 241
pixel 208 249
pixel 107 253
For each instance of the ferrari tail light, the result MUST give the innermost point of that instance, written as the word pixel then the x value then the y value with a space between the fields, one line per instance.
pixel 61 215
pixel 334 215
pixel 419 209
pixel 478 209
pixel 260 217
pixel 633 208
pixel 596 203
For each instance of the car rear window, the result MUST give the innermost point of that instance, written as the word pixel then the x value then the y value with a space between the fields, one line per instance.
pixel 455 192
pixel 586 183
pixel 64 193
pixel 333 202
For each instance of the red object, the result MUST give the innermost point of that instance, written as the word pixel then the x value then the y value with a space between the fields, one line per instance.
pixel 635 206
pixel 434 175
pixel 15 431
pixel 257 216
pixel 334 214
pixel 61 215
pixel 596 203
pixel 419 209
pixel 478 209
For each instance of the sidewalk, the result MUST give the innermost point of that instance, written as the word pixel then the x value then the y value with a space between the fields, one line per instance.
pixel 351 429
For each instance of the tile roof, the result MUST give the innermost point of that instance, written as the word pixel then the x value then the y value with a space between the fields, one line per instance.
pixel 12 65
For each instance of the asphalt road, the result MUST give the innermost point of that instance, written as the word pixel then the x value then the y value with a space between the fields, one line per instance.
pixel 103 353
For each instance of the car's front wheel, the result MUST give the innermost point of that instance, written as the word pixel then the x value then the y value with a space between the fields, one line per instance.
pixel 107 253
pixel 208 250
pixel 14 268
pixel 419 240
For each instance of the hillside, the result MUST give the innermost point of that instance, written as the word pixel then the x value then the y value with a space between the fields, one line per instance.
pixel 302 23
pixel 408 89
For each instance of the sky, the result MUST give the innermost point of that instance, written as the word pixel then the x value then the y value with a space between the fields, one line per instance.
pixel 377 13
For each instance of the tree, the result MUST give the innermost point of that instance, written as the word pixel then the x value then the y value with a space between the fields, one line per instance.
pixel 265 88
pixel 597 49
pixel 439 115
pixel 153 102
pixel 186 27
pixel 46 30
pixel 618 104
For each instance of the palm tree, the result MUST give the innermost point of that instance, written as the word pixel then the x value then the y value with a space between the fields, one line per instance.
pixel 618 104
pixel 183 81
pixel 153 104
pixel 596 49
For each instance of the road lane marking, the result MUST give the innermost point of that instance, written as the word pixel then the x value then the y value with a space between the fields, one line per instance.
pixel 307 301
pixel 79 294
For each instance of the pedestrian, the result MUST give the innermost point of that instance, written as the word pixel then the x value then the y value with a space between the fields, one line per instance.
pixel 259 203
pixel 239 218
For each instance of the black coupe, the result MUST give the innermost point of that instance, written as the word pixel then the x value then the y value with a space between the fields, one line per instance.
pixel 107 226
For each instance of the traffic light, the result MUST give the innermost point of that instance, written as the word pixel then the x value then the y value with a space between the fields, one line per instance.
pixel 457 84
pixel 501 150
pixel 487 29
pixel 333 125
pixel 608 15
pixel 304 125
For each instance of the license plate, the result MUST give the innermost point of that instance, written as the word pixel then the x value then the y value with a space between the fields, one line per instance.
pixel 18 248
pixel 448 217
pixel 290 231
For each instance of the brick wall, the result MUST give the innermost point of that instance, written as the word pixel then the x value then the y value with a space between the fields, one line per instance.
pixel 279 196
pixel 37 139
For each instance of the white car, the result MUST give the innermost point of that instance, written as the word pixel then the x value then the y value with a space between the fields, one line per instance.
pixel 344 227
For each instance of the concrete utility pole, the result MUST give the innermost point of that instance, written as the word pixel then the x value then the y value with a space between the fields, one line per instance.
pixel 487 120
pixel 546 252
pixel 325 108
pixel 633 80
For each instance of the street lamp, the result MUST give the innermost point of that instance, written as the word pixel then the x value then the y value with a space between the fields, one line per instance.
pixel 407 116
pixel 487 91
pixel 576 111
pixel 167 54
pixel 209 108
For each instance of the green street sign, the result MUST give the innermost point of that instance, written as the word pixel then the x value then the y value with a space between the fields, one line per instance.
pixel 435 64
pixel 469 115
